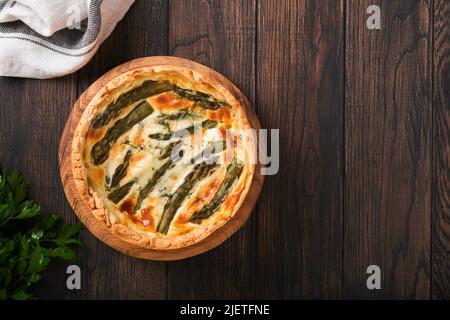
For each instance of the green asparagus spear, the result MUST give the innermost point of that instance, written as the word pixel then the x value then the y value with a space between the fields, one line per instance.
pixel 100 151
pixel 118 194
pixel 207 124
pixel 121 170
pixel 147 89
pixel 233 172
pixel 200 171
pixel 201 99
pixel 180 115
pixel 207 152
pixel 167 150
pixel 145 191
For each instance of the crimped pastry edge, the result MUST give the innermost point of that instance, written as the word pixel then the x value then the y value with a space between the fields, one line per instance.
pixel 95 202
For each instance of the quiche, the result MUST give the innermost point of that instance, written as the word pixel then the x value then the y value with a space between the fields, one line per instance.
pixel 163 156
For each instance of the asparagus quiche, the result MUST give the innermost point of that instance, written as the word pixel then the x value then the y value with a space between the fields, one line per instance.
pixel 163 156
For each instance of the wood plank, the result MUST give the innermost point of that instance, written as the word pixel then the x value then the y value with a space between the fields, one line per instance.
pixel 300 91
pixel 387 150
pixel 441 153
pixel 108 274
pixel 32 117
pixel 218 34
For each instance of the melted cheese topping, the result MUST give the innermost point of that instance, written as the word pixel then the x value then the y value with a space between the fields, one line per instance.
pixel 171 113
pixel 168 102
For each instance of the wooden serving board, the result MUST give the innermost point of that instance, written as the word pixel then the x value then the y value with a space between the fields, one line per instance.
pixel 80 206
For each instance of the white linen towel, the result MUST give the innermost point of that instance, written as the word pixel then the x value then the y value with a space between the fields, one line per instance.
pixel 50 38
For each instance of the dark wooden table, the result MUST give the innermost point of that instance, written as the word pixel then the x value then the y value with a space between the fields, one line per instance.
pixel 364 119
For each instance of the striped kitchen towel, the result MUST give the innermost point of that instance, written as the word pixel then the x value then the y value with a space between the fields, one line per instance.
pixel 50 38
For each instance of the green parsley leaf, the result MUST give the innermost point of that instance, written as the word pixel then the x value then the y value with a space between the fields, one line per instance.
pixel 29 239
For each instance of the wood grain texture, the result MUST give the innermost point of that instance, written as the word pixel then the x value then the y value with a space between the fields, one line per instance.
pixel 80 204
pixel 387 150
pixel 363 179
pixel 32 117
pixel 300 91
pixel 441 153
pixel 110 274
pixel 219 34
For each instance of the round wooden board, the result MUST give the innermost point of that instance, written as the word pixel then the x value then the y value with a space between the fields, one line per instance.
pixel 81 208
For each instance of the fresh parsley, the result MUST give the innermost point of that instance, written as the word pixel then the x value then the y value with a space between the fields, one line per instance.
pixel 29 238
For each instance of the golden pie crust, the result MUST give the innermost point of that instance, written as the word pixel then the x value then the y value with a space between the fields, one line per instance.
pixel 87 181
